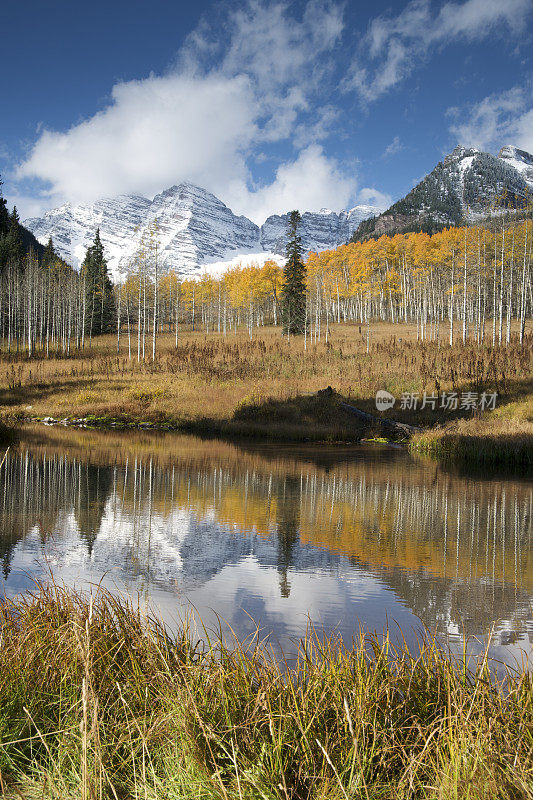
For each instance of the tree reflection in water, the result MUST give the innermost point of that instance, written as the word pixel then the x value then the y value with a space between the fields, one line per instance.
pixel 161 513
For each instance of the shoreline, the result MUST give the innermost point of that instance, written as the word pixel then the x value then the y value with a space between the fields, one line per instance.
pixel 207 427
pixel 485 442
pixel 263 389
pixel 482 443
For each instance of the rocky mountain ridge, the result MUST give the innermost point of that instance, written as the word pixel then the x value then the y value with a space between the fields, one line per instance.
pixel 322 230
pixel 194 228
pixel 466 185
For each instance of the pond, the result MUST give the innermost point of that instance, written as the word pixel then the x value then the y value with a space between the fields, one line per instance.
pixel 246 535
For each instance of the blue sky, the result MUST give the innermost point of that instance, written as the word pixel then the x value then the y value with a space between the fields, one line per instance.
pixel 270 105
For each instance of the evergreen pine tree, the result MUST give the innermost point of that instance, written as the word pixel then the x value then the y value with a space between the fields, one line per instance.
pixel 10 242
pixel 100 302
pixel 4 214
pixel 16 247
pixel 49 256
pixel 293 300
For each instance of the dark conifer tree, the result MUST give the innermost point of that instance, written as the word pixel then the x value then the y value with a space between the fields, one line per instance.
pixel 8 242
pixel 15 240
pixel 293 301
pixel 100 303
pixel 49 255
pixel 16 247
pixel 4 214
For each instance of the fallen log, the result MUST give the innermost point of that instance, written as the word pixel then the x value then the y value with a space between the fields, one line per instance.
pixel 388 424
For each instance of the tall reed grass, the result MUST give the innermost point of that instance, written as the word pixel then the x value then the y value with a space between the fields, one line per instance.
pixel 98 701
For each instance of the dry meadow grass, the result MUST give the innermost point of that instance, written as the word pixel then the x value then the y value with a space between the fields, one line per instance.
pixel 211 376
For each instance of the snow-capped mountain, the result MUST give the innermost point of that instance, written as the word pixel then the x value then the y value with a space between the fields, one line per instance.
pixel 466 185
pixel 322 230
pixel 520 160
pixel 194 229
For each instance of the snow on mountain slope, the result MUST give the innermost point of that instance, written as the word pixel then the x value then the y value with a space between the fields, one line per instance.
pixel 216 268
pixel 194 229
pixel 467 184
pixel 322 230
pixel 72 228
pixel 520 160
pixel 479 178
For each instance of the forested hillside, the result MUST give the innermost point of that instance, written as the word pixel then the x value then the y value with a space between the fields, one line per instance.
pixel 15 239
pixel 465 186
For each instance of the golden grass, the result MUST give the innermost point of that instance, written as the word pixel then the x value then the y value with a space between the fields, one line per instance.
pixel 493 440
pixel 211 378
pixel 97 701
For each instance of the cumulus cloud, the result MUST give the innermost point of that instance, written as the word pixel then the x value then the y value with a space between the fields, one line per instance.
pixel 312 181
pixel 226 99
pixel 393 45
pixel 153 132
pixel 374 197
pixel 498 119
pixel 27 205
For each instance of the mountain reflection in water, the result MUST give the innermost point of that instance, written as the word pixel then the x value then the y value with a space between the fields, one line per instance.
pixel 339 537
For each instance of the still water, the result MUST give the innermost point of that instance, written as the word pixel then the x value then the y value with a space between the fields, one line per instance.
pixel 274 536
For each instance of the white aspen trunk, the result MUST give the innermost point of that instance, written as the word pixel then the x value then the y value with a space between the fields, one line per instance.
pixel 145 318
pixel 464 291
pixel 129 326
pixel 494 293
pixel 118 317
pixel 139 316
pixel 500 324
pixel 154 333
pixel 177 310
pixel 523 291
pixel 510 296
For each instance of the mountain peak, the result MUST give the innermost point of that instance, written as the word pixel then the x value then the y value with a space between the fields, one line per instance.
pixel 520 160
pixel 184 188
pixel 460 152
pixel 512 152
pixel 195 228
pixel 463 187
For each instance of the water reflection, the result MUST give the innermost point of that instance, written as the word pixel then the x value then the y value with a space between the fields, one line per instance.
pixel 276 536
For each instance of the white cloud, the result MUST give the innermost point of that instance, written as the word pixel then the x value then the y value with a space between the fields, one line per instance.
pixel 393 45
pixel 274 49
pixel 313 132
pixel 374 197
pixel 311 182
pixel 219 106
pixel 498 119
pixel 153 133
pixel 26 205
pixel 394 147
